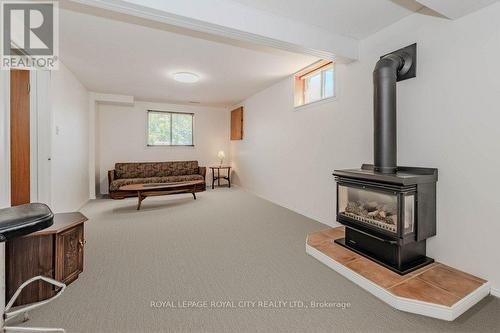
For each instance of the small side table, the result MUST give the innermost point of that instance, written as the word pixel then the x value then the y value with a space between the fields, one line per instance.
pixel 55 252
pixel 217 177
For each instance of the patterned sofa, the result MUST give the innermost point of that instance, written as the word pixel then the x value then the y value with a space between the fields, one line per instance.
pixel 152 172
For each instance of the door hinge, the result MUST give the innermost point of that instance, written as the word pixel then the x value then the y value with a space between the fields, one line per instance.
pixel 29 88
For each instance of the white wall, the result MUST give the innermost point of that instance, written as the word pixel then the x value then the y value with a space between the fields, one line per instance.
pixel 447 117
pixel 122 136
pixel 288 156
pixel 69 99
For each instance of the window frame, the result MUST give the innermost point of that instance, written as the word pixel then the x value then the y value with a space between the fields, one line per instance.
pixel 300 77
pixel 170 113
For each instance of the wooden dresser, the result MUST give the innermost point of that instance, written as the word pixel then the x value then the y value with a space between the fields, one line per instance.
pixel 55 252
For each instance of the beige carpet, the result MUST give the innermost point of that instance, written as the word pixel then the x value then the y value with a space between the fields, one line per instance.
pixel 228 245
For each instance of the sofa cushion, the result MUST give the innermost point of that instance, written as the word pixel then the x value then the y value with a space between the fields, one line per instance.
pixel 117 183
pixel 155 169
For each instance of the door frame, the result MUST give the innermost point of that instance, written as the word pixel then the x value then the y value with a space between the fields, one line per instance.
pixel 5 138
pixel 40 137
pixel 33 138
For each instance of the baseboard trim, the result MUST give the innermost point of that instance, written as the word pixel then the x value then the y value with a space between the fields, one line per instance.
pixel 495 292
pixel 404 304
pixel 83 205
pixel 329 223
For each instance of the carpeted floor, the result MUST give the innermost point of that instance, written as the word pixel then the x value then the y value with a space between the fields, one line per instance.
pixel 228 245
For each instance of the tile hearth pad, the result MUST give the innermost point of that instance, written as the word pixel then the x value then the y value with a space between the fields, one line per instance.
pixel 435 290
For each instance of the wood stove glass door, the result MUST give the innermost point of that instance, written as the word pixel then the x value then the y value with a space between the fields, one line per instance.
pixel 375 208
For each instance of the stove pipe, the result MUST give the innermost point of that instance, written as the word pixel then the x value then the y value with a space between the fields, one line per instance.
pixel 385 76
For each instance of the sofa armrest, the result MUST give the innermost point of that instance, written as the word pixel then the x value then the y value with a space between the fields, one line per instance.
pixel 202 171
pixel 111 177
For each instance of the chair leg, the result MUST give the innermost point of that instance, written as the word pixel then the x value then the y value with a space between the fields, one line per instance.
pixel 32 329
pixel 10 314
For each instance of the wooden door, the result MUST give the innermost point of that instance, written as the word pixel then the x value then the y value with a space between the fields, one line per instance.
pixel 19 137
pixel 69 254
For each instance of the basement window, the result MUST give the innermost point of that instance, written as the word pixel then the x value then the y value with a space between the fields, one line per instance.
pixel 315 83
pixel 169 128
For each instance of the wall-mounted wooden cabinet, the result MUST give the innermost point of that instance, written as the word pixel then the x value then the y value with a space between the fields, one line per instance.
pixel 237 124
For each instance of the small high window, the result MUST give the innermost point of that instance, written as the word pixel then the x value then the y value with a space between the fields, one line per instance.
pixel 170 128
pixel 315 83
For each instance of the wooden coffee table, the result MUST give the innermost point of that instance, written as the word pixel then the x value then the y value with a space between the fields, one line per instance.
pixel 156 189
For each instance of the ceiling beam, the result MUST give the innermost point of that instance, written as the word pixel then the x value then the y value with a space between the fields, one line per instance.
pixel 112 99
pixel 454 9
pixel 232 20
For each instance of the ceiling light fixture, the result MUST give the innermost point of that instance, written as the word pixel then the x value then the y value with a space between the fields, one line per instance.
pixel 186 77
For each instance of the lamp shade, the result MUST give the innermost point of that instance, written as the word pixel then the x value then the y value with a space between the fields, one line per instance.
pixel 221 155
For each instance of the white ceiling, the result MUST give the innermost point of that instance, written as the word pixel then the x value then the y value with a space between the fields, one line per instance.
pixel 124 52
pixel 454 9
pixel 116 57
pixel 352 18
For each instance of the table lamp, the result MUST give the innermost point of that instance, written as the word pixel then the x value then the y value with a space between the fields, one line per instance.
pixel 221 156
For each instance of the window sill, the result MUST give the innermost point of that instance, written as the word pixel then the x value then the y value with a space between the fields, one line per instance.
pixel 315 103
pixel 169 146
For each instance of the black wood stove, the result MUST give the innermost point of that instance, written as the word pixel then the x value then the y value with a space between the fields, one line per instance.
pixel 388 211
